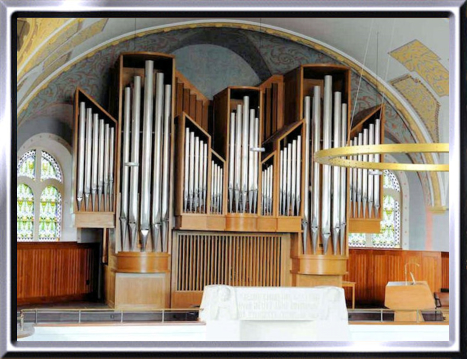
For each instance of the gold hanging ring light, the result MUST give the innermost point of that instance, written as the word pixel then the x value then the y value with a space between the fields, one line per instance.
pixel 333 156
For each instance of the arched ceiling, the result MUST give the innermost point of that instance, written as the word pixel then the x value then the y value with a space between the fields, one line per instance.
pixel 406 59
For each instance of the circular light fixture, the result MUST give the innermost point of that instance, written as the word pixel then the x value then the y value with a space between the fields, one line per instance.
pixel 333 156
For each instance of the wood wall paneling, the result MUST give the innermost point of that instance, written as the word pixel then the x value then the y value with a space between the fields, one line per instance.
pixel 49 272
pixel 372 269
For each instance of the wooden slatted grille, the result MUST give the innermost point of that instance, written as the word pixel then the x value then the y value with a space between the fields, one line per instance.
pixel 231 259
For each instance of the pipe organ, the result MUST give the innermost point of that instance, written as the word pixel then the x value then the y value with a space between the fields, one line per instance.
pixel 224 189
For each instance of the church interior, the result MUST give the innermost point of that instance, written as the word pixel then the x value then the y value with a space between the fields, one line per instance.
pixel 159 156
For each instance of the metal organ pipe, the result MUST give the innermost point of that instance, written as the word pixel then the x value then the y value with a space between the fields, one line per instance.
pixel 326 187
pixel 106 165
pixel 187 169
pixel 245 151
pixel 294 176
pixel 166 167
pixel 306 184
pixel 359 178
pixel 146 154
pixel 100 181
pixel 371 141
pixel 336 176
pixel 315 205
pixel 111 167
pixel 134 172
pixel 231 161
pixel 95 154
pixel 125 170
pixel 238 155
pixel 354 180
pixel 377 158
pixel 365 175
pixel 87 178
pixel 251 168
pixel 81 150
pixel 255 165
pixel 343 183
pixel 299 174
pixel 157 164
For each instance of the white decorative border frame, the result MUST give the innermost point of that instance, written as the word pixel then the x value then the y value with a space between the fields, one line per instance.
pixel 456 11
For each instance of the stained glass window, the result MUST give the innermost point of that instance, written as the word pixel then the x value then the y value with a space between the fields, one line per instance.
pixel 24 213
pixel 389 237
pixel 357 240
pixel 50 214
pixel 27 165
pixel 390 181
pixel 50 168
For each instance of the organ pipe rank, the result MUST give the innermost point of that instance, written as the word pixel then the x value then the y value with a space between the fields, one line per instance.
pixel 96 146
pixel 243 159
pixel 144 212
pixel 195 175
pixel 365 185
pixel 325 210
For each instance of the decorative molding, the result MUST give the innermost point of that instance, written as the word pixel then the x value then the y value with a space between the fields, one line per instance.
pixel 40 30
pixel 417 57
pixel 422 101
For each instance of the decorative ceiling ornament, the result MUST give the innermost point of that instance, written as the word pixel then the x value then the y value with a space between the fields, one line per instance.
pixel 334 156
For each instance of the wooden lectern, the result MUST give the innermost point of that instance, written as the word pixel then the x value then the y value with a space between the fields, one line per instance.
pixel 408 297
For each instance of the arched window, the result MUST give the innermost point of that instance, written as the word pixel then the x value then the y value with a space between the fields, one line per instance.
pixel 390 234
pixel 39 197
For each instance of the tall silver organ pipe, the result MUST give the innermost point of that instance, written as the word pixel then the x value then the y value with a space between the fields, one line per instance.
pixel 371 141
pixel 157 164
pixel 255 165
pixel 192 171
pixel 100 181
pixel 336 174
pixel 187 169
pixel 315 203
pixel 377 159
pixel 359 178
pixel 245 151
pixel 81 150
pixel 238 155
pixel 231 161
pixel 106 165
pixel 354 180
pixel 125 170
pixel 201 159
pixel 306 183
pixel 166 167
pixel 196 179
pixel 134 172
pixel 326 187
pixel 95 155
pixel 111 168
pixel 288 179
pixel 251 168
pixel 146 154
pixel 343 193
pixel 294 176
pixel 299 175
pixel 365 175
pixel 87 178
pixel 205 181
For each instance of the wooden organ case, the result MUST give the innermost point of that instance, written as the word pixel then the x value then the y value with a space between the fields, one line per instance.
pixel 230 200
